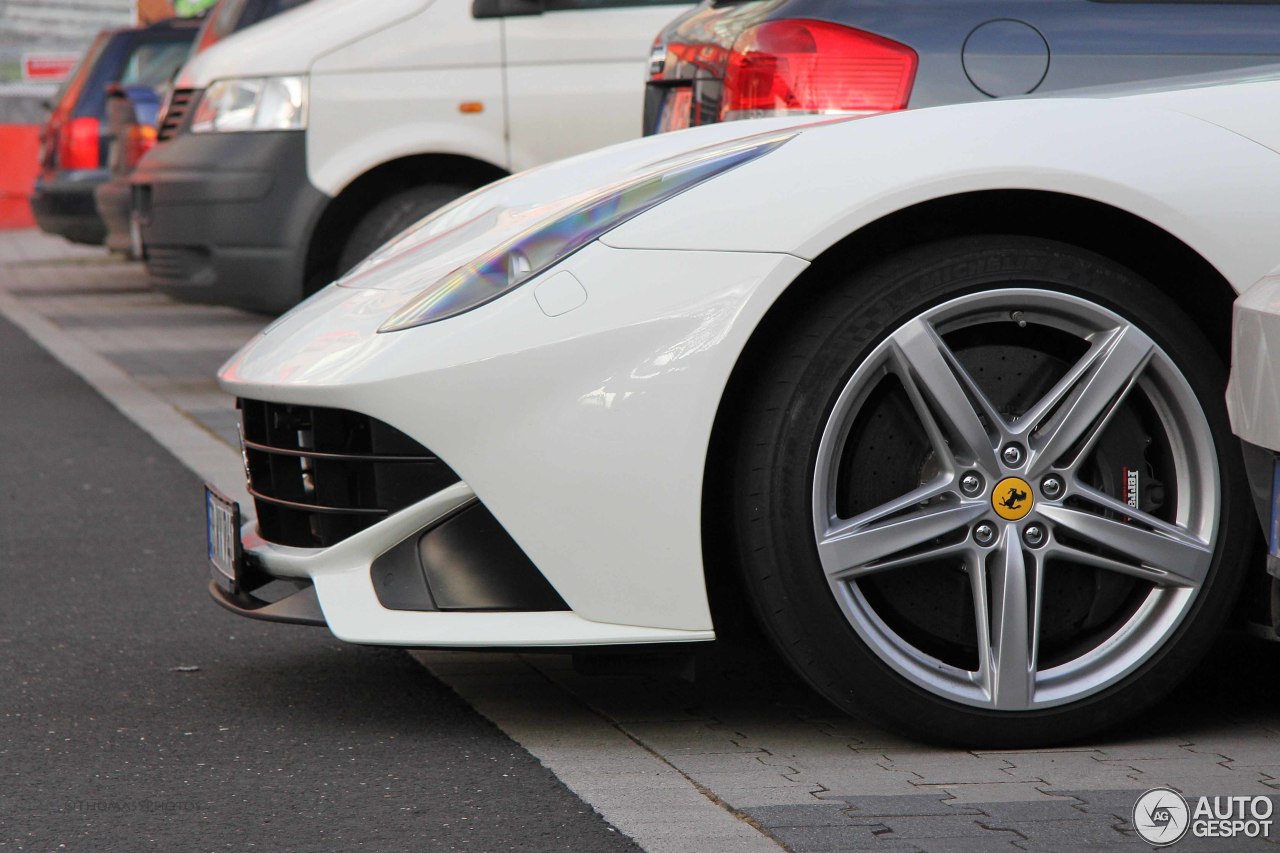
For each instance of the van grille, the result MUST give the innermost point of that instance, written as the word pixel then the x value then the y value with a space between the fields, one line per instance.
pixel 319 475
pixel 174 116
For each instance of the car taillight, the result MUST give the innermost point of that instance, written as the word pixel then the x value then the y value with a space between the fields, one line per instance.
pixel 815 67
pixel 78 144
pixel 138 140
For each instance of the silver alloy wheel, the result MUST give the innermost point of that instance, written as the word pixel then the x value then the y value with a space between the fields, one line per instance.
pixel 1081 525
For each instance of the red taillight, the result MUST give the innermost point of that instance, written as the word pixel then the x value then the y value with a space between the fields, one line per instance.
pixel 799 66
pixel 138 140
pixel 78 144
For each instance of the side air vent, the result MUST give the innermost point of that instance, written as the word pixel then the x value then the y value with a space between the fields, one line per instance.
pixel 319 475
pixel 179 104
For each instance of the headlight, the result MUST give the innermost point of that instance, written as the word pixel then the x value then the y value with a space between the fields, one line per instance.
pixel 252 103
pixel 565 230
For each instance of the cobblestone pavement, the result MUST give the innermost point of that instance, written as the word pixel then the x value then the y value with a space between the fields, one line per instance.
pixel 751 739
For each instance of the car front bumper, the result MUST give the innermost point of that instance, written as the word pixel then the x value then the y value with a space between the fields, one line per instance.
pixel 585 434
pixel 227 217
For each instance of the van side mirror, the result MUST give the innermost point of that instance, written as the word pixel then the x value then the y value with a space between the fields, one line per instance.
pixel 506 8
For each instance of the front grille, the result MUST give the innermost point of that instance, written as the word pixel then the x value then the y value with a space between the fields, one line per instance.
pixel 179 104
pixel 319 475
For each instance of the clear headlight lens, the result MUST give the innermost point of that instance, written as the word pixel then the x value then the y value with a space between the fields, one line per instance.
pixel 251 104
pixel 564 230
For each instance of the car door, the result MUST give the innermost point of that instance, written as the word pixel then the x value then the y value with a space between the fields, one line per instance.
pixel 575 73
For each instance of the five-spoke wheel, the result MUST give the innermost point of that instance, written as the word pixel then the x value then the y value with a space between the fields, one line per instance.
pixel 1022 497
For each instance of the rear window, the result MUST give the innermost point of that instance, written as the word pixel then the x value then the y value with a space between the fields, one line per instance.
pixel 153 60
pixel 153 64
pixel 69 92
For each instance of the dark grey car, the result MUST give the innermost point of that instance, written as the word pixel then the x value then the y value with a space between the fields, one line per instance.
pixel 750 58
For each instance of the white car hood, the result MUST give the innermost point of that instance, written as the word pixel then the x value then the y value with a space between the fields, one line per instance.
pixel 291 43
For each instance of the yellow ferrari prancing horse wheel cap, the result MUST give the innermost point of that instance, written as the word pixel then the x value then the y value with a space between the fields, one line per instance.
pixel 1012 498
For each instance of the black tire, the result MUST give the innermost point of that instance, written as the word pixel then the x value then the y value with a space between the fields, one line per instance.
pixel 812 356
pixel 391 216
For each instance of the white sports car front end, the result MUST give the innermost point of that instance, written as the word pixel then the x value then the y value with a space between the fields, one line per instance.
pixel 935 390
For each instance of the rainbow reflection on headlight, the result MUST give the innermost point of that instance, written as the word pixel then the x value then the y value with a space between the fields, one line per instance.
pixel 558 236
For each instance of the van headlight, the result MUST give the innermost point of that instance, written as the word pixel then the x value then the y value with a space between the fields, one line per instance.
pixel 252 104
pixel 568 228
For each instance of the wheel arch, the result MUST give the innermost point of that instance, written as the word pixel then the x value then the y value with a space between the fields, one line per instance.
pixel 1195 285
pixel 359 196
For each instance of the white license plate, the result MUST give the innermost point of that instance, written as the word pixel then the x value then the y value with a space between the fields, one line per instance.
pixel 223 517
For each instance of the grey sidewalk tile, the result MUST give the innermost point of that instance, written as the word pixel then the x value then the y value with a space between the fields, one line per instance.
pixel 712 764
pixel 694 737
pixel 930 803
pixel 1101 829
pixel 1243 783
pixel 1091 846
pixel 1055 810
pixel 874 782
pixel 997 792
pixel 939 826
pixel 32 246
pixel 832 814
pixel 164 317
pixel 195 364
pixel 744 797
pixel 943 768
pixel 1150 749
pixel 1192 765
pixel 1117 803
pixel 989 843
pixel 1054 764
pixel 127 286
pixel 812 839
pixel 1261 754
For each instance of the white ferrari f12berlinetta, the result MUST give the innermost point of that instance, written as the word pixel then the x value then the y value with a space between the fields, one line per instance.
pixel 939 393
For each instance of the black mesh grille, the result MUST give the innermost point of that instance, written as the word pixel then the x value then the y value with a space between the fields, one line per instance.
pixel 319 475
pixel 179 104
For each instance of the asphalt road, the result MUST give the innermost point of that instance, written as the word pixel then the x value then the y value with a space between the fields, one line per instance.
pixel 134 714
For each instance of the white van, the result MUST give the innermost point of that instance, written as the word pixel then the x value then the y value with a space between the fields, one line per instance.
pixel 292 149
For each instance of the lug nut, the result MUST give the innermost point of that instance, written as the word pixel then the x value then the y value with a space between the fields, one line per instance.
pixel 1034 535
pixel 1012 455
pixel 1052 487
pixel 971 484
pixel 984 534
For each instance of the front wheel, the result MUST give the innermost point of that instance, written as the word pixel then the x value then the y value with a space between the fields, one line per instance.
pixel 986 491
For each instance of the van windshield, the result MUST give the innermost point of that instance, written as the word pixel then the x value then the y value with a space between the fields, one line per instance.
pixel 231 16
